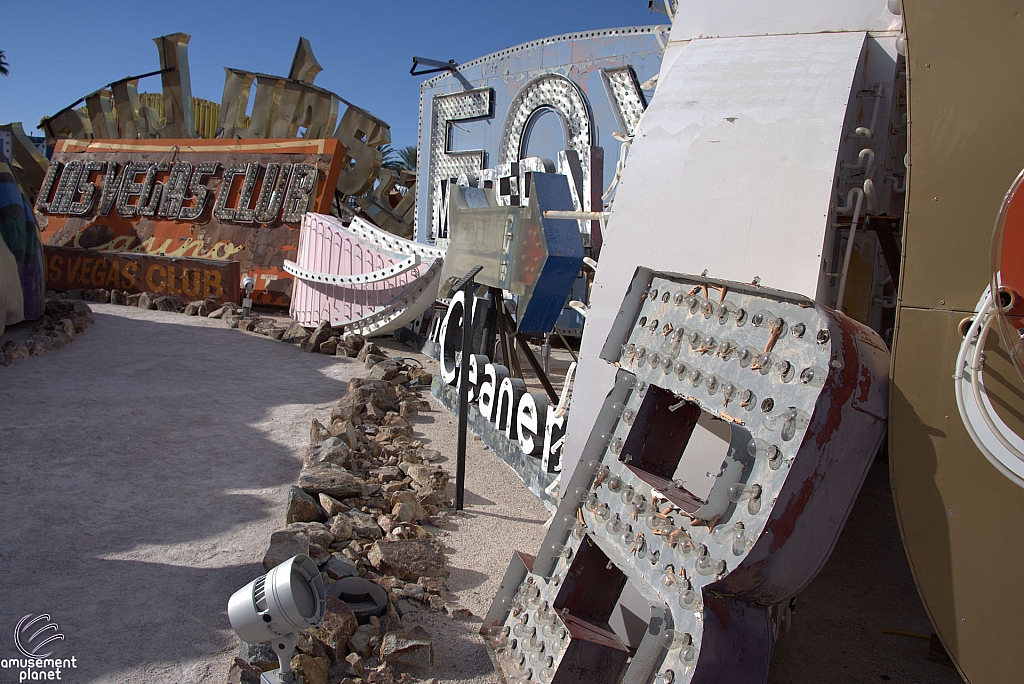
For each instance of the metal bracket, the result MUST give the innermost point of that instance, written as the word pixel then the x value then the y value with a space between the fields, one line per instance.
pixel 461 282
pixel 438 66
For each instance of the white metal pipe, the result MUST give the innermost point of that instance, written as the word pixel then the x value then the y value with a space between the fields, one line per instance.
pixel 657 37
pixel 870 132
pixel 576 215
pixel 619 166
pixel 859 193
pixel 566 396
pixel 979 328
pixel 976 369
pixel 899 185
pixel 961 359
pixel 870 197
pixel 865 161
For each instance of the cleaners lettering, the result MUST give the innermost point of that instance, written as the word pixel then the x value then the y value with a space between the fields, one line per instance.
pixel 527 418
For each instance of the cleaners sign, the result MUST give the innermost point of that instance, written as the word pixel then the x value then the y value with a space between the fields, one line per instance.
pixel 527 419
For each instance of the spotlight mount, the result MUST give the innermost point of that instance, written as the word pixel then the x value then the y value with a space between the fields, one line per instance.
pixel 275 607
pixel 248 284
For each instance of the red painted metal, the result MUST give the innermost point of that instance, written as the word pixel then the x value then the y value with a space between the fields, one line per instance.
pixel 826 475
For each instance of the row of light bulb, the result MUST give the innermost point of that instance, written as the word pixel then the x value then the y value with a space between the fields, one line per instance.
pixel 694 303
pixel 632 540
pixel 523 638
pixel 686 596
pixel 724 311
pixel 664 358
pixel 701 343
pixel 789 421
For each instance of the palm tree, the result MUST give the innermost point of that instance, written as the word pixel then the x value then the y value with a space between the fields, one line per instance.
pixel 390 158
pixel 3 64
pixel 408 156
pixel 397 160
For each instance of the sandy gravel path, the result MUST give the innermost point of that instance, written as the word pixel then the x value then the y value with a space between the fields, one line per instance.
pixel 142 470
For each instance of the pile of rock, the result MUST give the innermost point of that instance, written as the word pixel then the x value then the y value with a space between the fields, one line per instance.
pixel 367 498
pixel 323 339
pixel 147 300
pixel 62 320
pixel 144 300
pixel 230 312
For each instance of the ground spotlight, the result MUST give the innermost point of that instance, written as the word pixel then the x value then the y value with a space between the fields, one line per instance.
pixel 248 284
pixel 275 606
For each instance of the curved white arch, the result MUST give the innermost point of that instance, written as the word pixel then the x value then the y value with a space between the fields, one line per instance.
pixel 552 92
pixel 362 278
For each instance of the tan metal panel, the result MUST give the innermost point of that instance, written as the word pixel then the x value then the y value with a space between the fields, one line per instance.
pixel 32 165
pixel 101 115
pixel 957 514
pixel 966 142
pixel 177 83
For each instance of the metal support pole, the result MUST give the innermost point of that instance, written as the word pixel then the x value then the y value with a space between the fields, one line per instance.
pixel 467 286
pixel 508 350
pixel 499 320
pixel 541 375
pixel 567 346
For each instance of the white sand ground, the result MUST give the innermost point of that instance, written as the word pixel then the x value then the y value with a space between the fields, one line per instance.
pixel 142 470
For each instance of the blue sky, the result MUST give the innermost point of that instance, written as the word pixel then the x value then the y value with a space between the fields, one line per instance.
pixel 60 51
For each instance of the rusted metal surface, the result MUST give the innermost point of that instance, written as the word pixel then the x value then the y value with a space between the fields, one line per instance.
pixel 736 642
pixel 360 277
pixel 792 403
pixel 845 432
pixel 593 654
pixel 228 200
pixel 591 587
pixel 191 279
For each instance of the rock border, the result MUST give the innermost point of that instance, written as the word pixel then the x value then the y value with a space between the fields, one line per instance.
pixel 361 507
pixel 323 339
pixel 63 320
